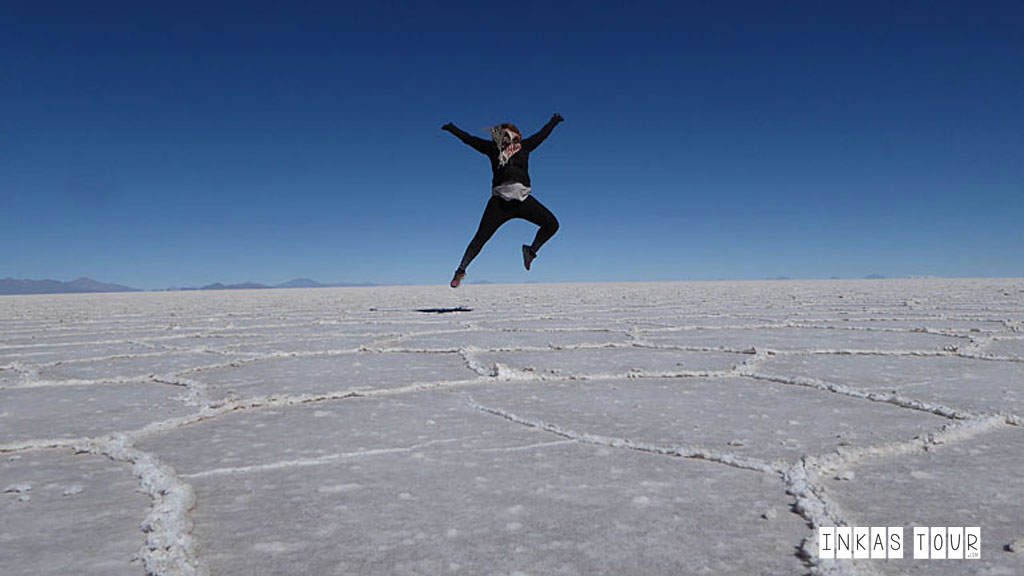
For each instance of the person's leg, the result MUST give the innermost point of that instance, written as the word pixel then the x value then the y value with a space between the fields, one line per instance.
pixel 495 214
pixel 535 212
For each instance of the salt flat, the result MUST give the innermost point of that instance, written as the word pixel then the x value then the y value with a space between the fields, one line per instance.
pixel 698 428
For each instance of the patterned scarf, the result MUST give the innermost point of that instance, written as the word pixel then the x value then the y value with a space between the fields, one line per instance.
pixel 508 142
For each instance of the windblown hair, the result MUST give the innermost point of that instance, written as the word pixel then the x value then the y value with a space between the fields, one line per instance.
pixel 510 126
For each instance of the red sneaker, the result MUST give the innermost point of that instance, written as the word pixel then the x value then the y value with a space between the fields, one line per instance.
pixel 457 279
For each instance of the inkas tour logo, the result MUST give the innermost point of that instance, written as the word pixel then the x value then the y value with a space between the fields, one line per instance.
pixel 928 543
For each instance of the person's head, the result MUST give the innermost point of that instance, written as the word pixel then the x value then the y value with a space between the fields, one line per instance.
pixel 506 134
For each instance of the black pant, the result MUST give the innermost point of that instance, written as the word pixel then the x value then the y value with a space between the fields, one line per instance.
pixel 499 211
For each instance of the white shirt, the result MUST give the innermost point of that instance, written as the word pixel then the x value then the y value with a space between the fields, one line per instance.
pixel 511 191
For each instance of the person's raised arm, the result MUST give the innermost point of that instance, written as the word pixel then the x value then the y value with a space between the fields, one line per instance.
pixel 479 144
pixel 533 141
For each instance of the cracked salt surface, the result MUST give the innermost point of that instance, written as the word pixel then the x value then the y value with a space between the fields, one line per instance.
pixel 1009 348
pixel 51 353
pixel 329 373
pixel 797 339
pixel 66 527
pixel 961 481
pixel 506 340
pixel 747 418
pixel 557 508
pixel 132 366
pixel 85 411
pixel 642 429
pixel 597 362
pixel 976 385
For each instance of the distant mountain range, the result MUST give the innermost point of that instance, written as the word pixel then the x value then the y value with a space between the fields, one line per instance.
pixel 298 283
pixel 81 285
pixel 11 286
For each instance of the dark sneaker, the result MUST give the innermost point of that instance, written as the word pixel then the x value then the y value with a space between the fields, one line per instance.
pixel 457 279
pixel 528 256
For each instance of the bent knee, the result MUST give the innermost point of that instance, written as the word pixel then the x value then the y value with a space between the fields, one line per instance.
pixel 552 225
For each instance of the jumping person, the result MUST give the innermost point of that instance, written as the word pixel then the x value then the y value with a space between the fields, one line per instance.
pixel 510 189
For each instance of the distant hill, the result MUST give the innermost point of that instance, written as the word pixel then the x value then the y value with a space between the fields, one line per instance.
pixel 297 283
pixel 307 283
pixel 302 283
pixel 11 286
pixel 242 286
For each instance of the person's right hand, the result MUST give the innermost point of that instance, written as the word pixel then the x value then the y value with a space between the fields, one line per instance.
pixel 448 127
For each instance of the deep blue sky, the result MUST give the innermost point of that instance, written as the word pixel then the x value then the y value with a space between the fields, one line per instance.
pixel 176 143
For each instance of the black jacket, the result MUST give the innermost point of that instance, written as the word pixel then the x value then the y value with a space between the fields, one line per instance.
pixel 517 169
